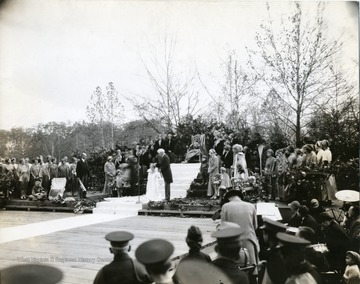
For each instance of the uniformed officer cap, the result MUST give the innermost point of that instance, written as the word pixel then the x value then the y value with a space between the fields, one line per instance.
pixel 119 238
pixel 228 237
pixel 31 274
pixel 156 251
pixel 273 226
pixel 292 241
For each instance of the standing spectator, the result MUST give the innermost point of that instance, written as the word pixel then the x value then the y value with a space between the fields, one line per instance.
pixel 110 173
pixel 239 166
pixel 170 147
pixel 165 169
pixel 159 143
pixel 64 171
pixel 219 143
pixel 327 155
pixel 291 157
pixel 119 159
pixel 82 173
pixel 34 171
pixel 23 172
pixel 45 174
pixel 319 153
pixel 270 174
pixel 244 214
pixel 213 170
pixel 53 168
pixel 299 158
pixel 227 158
pixel 280 170
pixel 73 178
pixel 310 156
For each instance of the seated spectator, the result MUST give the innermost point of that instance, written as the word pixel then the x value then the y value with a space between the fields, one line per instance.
pixel 312 254
pixel 38 192
pixel 155 255
pixel 295 219
pixel 336 240
pixel 307 220
pixel 122 269
pixel 228 249
pixel 352 273
pixel 194 240
pixel 293 252
pixel 315 210
pixel 353 226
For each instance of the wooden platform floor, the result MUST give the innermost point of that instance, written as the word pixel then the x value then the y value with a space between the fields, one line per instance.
pixel 81 251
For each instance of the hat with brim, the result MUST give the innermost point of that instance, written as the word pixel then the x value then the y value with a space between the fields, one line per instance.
pixel 295 205
pixel 228 237
pixel 31 274
pixel 154 252
pixel 119 238
pixel 291 241
pixel 233 192
pixel 200 272
pixel 314 203
pixel 273 226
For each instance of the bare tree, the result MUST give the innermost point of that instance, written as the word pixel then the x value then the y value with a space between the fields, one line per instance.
pixel 296 72
pixel 174 94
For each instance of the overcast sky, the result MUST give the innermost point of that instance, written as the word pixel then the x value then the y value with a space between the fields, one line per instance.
pixel 54 53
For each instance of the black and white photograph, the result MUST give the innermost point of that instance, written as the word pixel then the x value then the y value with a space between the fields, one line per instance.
pixel 179 142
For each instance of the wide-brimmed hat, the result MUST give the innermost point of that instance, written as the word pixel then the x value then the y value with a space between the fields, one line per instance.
pixel 355 256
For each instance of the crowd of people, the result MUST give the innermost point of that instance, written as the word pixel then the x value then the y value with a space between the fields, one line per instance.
pixel 228 160
pixel 249 249
pixel 125 169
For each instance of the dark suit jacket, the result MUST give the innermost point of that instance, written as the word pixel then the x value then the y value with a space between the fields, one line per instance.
pixel 169 145
pixel 82 168
pixel 164 164
pixel 227 160
pixel 157 146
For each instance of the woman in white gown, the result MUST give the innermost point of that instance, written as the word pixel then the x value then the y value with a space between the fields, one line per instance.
pixel 154 180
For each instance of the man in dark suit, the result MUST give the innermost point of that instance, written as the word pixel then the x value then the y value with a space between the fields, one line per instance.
pixel 227 158
pixel 164 165
pixel 170 147
pixel 159 143
pixel 82 173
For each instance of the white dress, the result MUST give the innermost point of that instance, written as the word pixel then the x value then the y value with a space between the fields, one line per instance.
pixel 153 190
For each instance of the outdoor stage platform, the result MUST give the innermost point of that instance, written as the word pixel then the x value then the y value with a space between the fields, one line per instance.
pixel 76 244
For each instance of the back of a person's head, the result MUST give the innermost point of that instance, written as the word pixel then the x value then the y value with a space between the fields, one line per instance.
pixel 303 210
pixel 306 233
pixel 194 237
pixel 229 252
